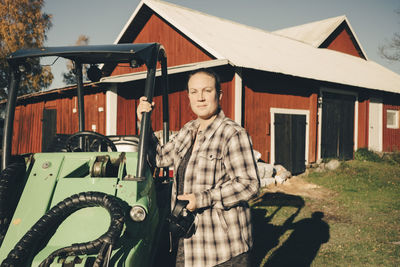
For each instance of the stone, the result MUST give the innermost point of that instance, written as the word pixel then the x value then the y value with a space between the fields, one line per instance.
pixel 266 182
pixel 265 170
pixel 332 164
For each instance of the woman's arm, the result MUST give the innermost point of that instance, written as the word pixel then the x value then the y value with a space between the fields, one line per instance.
pixel 164 156
pixel 241 167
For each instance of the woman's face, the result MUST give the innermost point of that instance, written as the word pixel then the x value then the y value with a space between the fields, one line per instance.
pixel 203 95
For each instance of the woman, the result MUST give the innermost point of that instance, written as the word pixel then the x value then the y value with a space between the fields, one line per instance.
pixel 216 172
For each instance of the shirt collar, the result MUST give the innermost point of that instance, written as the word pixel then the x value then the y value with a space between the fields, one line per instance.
pixel 210 130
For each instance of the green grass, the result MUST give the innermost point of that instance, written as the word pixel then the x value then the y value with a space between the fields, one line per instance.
pixel 362 214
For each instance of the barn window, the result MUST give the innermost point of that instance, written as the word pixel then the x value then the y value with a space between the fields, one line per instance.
pixel 392 119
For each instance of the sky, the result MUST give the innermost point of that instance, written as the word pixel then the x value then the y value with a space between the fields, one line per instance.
pixel 373 21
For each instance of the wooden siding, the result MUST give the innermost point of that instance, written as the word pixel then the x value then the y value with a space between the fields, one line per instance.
pixel 179 107
pixel 180 50
pixel 391 137
pixel 363 121
pixel 264 91
pixel 343 41
pixel 27 134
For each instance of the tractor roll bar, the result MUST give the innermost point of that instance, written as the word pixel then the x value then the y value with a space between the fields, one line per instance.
pixel 133 54
pixel 145 127
pixel 9 120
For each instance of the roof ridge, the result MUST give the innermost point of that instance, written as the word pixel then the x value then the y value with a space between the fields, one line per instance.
pixel 206 14
pixel 315 22
pixel 244 26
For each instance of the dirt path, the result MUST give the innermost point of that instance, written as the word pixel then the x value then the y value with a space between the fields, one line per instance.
pixel 298 186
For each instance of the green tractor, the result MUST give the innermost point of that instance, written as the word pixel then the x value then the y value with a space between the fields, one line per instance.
pixel 96 203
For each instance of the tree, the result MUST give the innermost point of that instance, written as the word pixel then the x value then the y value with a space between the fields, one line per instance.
pixel 391 50
pixel 69 77
pixel 23 25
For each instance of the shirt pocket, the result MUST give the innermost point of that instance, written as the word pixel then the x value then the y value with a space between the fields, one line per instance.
pixel 209 168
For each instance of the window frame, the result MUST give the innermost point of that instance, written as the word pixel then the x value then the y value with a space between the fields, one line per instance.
pixel 396 119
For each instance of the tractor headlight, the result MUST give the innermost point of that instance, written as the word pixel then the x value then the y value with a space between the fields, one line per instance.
pixel 138 213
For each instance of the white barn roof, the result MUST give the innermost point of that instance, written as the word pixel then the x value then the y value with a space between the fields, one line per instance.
pixel 315 33
pixel 253 48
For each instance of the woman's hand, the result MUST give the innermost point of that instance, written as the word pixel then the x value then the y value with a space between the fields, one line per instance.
pixel 191 206
pixel 144 106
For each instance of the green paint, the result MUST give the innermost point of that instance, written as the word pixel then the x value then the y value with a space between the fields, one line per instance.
pixel 56 176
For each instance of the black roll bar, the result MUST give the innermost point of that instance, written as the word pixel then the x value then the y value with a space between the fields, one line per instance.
pixel 80 95
pixel 10 111
pixel 145 127
pixel 149 54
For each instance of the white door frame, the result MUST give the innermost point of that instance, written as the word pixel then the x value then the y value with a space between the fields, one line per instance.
pixel 111 110
pixel 274 111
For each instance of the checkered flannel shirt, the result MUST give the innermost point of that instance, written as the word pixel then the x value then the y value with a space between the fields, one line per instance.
pixel 222 174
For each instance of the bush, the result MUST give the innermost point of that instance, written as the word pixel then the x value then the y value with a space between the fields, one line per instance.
pixel 363 154
pixel 392 157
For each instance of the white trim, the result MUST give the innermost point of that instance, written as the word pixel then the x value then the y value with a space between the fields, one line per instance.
pixel 319 125
pixel 352 32
pixel 355 126
pixel 238 96
pixel 157 8
pixel 171 70
pixel 375 104
pixel 355 37
pixel 396 119
pixel 274 111
pixel 128 22
pixel 111 110
pixel 154 5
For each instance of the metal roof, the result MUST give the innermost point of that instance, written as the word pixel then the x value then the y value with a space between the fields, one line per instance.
pixel 253 48
pixel 171 70
pixel 315 33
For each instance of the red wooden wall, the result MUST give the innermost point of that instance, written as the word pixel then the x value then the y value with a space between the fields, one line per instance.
pixel 261 95
pixel 391 137
pixel 363 122
pixel 343 43
pixel 27 134
pixel 179 108
pixel 180 50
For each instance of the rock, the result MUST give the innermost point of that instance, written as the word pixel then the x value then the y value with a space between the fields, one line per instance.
pixel 332 164
pixel 313 165
pixel 319 161
pixel 279 169
pixel 265 170
pixel 266 181
pixel 257 155
pixel 282 177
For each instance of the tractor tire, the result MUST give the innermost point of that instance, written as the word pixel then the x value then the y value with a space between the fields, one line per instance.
pixel 11 179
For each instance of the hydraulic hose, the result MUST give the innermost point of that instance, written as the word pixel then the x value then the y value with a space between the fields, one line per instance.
pixel 56 215
pixel 10 191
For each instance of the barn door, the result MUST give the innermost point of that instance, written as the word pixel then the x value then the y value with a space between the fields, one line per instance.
pixel 337 137
pixel 290 141
pixel 49 127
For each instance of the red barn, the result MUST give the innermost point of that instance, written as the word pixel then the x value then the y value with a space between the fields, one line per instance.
pixel 303 93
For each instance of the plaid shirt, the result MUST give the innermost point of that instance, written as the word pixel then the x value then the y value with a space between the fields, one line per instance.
pixel 222 174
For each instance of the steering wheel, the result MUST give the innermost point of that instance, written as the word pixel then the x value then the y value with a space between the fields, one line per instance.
pixel 91 142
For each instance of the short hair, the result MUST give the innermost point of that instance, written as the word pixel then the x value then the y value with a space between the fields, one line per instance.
pixel 210 73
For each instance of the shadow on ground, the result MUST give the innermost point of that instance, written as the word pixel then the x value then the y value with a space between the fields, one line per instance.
pixel 301 247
